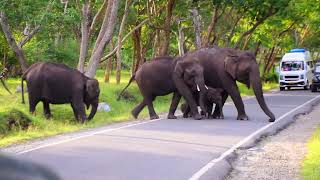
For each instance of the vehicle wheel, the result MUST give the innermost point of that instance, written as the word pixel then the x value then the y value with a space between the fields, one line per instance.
pixel 313 88
pixel 282 88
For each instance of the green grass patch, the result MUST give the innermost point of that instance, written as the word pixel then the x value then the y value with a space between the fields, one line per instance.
pixel 63 119
pixel 311 163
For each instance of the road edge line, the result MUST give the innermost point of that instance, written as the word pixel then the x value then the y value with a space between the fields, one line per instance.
pixel 230 151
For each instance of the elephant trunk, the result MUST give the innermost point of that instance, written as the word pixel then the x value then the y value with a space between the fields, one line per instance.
pixel 257 88
pixel 93 110
pixel 202 88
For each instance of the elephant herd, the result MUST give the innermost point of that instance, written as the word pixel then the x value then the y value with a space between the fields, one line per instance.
pixel 203 77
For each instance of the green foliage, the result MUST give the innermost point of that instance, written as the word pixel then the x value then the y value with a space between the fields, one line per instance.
pixel 311 163
pixel 271 77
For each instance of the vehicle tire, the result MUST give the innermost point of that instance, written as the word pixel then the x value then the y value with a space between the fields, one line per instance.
pixel 313 88
pixel 282 88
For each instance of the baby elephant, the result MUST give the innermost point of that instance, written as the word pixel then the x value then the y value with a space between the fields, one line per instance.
pixel 212 96
pixel 54 83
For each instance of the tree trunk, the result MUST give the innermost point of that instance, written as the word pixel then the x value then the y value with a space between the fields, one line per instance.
pixel 165 41
pixel 197 27
pixel 108 70
pixel 211 26
pixel 268 60
pixel 180 38
pixel 246 42
pixel 137 49
pixel 126 12
pixel 106 37
pixel 124 39
pixel 12 42
pixel 84 35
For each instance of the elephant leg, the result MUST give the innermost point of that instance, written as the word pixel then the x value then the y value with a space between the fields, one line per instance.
pixel 46 109
pixel 187 112
pixel 210 107
pixel 79 110
pixel 237 100
pixel 152 113
pixel 75 112
pixel 136 111
pixel 216 113
pixel 174 104
pixel 32 104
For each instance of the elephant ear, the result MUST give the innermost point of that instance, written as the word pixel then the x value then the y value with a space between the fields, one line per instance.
pixel 178 70
pixel 92 88
pixel 231 64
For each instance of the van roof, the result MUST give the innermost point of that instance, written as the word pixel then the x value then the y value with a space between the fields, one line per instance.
pixel 295 56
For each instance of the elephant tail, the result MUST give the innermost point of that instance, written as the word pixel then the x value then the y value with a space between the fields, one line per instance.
pixel 130 81
pixel 23 78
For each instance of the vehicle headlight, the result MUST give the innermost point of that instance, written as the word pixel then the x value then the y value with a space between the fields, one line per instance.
pixel 302 76
pixel 281 77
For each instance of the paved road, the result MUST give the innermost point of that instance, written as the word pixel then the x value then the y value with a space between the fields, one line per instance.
pixel 161 149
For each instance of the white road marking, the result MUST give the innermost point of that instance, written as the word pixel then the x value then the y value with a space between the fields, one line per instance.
pixel 205 168
pixel 88 135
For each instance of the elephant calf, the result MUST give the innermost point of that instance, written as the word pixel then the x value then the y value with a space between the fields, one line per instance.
pixel 212 96
pixel 58 84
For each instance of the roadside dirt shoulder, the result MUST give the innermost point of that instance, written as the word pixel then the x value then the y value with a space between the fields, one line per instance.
pixel 278 156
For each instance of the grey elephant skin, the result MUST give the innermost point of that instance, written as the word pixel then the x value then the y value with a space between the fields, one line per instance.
pixel 53 83
pixel 211 96
pixel 222 67
pixel 155 78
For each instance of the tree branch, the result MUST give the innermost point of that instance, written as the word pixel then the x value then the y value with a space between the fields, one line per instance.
pixel 123 40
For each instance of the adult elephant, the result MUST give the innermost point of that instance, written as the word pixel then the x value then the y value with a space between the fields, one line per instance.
pixel 222 67
pixel 155 78
pixel 54 83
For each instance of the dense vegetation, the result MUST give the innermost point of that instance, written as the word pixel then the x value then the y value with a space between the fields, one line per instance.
pixel 102 37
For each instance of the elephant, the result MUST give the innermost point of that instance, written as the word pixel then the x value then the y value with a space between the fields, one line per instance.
pixel 212 96
pixel 54 83
pixel 222 67
pixel 155 78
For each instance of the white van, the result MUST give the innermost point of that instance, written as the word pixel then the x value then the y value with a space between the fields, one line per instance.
pixel 295 69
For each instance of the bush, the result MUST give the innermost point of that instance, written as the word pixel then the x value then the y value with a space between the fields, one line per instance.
pixel 271 77
pixel 14 120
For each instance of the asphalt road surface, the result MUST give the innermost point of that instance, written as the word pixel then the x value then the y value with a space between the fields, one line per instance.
pixel 161 149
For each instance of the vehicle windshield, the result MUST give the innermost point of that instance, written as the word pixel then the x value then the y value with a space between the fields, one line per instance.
pixel 292 66
pixel 317 69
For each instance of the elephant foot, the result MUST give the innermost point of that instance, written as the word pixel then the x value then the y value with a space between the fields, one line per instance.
pixel 154 117
pixel 216 115
pixel 185 115
pixel 242 117
pixel 197 116
pixel 171 116
pixel 134 114
pixel 48 116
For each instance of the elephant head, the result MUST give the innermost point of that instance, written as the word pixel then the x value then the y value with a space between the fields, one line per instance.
pixel 242 66
pixel 91 96
pixel 188 75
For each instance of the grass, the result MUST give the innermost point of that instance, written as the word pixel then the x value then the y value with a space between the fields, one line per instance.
pixel 63 119
pixel 311 163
